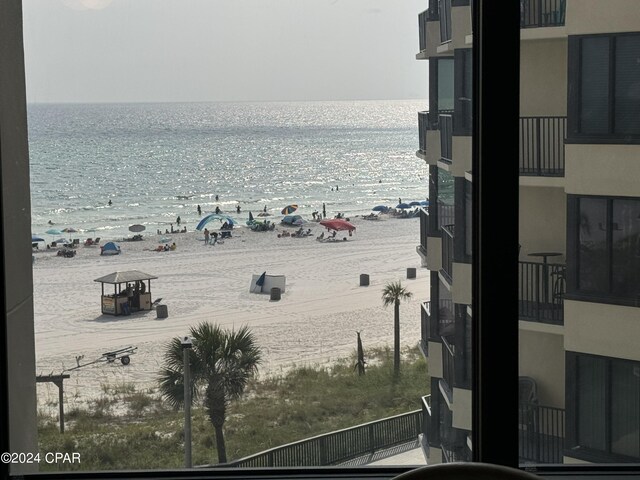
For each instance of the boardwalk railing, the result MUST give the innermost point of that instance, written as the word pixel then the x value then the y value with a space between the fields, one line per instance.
pixel 339 446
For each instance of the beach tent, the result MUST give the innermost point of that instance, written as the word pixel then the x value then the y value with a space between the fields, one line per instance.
pixel 110 248
pixel 214 216
pixel 293 220
pixel 268 282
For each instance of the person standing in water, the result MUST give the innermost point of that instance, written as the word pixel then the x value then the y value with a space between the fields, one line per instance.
pixel 199 210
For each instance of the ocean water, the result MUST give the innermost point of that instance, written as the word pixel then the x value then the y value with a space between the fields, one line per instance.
pixel 159 161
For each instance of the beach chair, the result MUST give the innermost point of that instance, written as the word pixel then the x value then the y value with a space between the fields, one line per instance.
pixel 34 246
pixel 96 241
pixel 88 242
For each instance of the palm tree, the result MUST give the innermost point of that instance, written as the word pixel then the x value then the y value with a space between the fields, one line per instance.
pixel 221 363
pixel 393 293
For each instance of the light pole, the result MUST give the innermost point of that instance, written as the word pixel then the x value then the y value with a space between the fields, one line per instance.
pixel 187 343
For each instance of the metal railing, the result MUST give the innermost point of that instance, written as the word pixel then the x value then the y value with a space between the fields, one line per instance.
pixel 425 327
pixel 446 137
pixel 541 433
pixel 446 318
pixel 447 251
pixel 424 229
pixel 423 126
pixel 541 292
pixel 448 363
pixel 542 13
pixel 422 29
pixel 446 214
pixel 542 146
pixel 426 416
pixel 444 7
pixel 339 446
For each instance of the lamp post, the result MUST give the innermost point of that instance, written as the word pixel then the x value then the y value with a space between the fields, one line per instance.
pixel 187 343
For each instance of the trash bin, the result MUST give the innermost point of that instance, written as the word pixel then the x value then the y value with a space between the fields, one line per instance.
pixel 364 280
pixel 161 311
pixel 411 272
pixel 275 293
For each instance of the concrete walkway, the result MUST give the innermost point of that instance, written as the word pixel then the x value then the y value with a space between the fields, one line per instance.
pixel 405 454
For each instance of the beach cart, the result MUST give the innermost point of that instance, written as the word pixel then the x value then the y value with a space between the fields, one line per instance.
pixel 122 354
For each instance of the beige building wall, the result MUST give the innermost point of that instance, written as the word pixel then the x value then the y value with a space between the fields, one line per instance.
pixel 601 16
pixel 461 153
pixel 602 169
pixel 541 356
pixel 461 408
pixel 602 329
pixel 543 220
pixel 543 78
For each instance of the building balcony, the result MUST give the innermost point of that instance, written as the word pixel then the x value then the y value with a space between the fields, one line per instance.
pixel 424 234
pixel 541 292
pixel 541 432
pixel 444 7
pixel 425 327
pixel 447 252
pixel 445 214
pixel 425 403
pixel 542 146
pixel 427 122
pixel 542 13
pixel 446 140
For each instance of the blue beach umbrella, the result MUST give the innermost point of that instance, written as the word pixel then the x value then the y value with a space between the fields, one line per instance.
pixel 53 231
pixel 424 203
pixel 380 208
pixel 414 204
pixel 35 239
pixel 214 216
pixel 402 206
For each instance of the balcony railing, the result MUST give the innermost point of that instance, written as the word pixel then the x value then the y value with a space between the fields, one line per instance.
pixel 542 13
pixel 447 251
pixel 542 289
pixel 542 145
pixel 541 433
pixel 448 364
pixel 426 325
pixel 446 214
pixel 446 319
pixel 424 229
pixel 444 7
pixel 446 138
pixel 426 419
pixel 422 29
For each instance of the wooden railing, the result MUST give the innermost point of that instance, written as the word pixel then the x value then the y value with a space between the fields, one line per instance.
pixel 339 446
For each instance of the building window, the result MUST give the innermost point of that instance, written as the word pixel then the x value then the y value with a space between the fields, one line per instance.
pixel 604 86
pixel 606 413
pixel 441 90
pixel 607 245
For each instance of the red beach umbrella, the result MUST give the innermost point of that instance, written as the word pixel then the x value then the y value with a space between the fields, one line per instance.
pixel 337 224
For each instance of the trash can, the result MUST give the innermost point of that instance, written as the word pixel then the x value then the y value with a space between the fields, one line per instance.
pixel 411 272
pixel 364 280
pixel 275 293
pixel 161 311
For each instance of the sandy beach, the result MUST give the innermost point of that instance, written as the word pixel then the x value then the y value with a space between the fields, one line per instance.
pixel 315 321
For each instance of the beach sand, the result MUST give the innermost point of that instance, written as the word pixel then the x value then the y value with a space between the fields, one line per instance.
pixel 314 323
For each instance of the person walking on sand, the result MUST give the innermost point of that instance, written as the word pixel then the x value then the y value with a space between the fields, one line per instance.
pixel 206 236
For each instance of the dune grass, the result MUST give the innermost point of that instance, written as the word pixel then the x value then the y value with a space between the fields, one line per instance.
pixel 129 429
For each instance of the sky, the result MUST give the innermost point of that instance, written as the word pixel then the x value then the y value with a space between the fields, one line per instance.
pixel 222 50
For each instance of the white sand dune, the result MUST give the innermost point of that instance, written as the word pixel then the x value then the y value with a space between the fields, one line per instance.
pixel 314 322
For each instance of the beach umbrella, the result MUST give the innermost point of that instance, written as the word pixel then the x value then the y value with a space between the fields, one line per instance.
pixel 289 209
pixel 424 203
pixel 414 204
pixel 36 239
pixel 403 206
pixel 380 208
pixel 337 224
pixel 250 217
pixel 214 216
pixel 69 230
pixel 137 228
pixel 53 231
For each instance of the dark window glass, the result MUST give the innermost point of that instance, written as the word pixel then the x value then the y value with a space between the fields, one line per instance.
pixel 592 255
pixel 594 79
pixel 591 402
pixel 445 84
pixel 625 243
pixel 625 409
pixel 446 315
pixel 627 85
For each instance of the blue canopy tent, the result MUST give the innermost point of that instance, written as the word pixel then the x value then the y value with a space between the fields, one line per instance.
pixel 293 220
pixel 214 216
pixel 110 248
